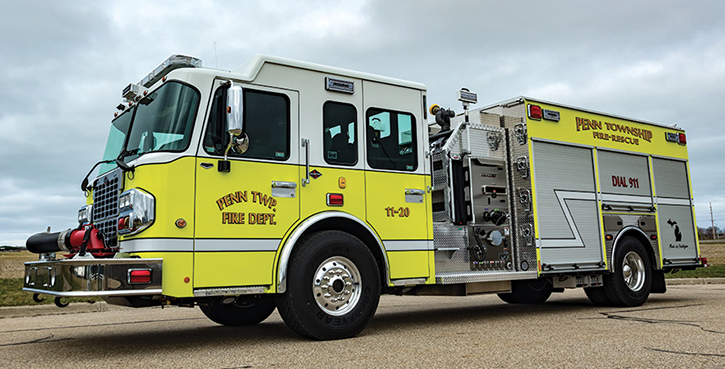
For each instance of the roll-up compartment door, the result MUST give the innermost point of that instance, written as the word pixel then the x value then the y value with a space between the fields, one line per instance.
pixel 674 212
pixel 566 207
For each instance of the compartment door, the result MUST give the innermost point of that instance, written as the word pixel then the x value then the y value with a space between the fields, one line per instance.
pixel 567 215
pixel 675 212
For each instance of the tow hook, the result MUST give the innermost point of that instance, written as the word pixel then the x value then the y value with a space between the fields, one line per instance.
pixel 59 303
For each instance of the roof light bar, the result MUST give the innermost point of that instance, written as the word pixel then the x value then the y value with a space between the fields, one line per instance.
pixel 175 61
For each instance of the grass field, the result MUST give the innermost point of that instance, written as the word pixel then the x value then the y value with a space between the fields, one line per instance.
pixel 12 270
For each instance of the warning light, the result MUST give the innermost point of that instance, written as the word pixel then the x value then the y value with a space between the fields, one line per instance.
pixel 682 139
pixel 334 199
pixel 180 223
pixel 139 276
pixel 534 112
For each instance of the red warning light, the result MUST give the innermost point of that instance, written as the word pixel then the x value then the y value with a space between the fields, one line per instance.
pixel 335 199
pixel 682 139
pixel 534 112
pixel 139 276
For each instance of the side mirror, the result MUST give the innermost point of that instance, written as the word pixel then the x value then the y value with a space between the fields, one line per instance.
pixel 235 125
pixel 235 110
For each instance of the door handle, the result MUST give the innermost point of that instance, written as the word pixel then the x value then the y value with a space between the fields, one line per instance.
pixel 283 189
pixel 281 184
pixel 414 195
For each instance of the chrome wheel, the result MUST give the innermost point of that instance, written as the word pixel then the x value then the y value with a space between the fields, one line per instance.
pixel 633 271
pixel 337 286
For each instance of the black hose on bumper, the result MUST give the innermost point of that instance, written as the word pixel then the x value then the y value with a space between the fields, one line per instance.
pixel 45 242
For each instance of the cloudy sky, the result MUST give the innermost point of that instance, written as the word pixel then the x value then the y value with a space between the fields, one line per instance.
pixel 63 65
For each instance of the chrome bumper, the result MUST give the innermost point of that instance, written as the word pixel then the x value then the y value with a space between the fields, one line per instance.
pixel 91 277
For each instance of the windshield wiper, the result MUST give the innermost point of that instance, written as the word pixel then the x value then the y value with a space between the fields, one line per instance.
pixel 122 164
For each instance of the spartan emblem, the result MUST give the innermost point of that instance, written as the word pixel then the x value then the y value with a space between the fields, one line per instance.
pixel 678 234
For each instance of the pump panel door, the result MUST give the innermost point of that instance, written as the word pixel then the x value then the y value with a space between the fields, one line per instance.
pixel 242 215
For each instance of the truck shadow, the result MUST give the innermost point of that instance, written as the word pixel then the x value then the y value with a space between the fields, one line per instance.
pixel 199 334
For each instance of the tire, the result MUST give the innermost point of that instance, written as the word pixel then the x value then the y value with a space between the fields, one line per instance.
pixel 243 311
pixel 530 291
pixel 333 287
pixel 631 282
pixel 597 296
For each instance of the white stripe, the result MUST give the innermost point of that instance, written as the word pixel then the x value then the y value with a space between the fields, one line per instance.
pixel 408 245
pixel 237 245
pixel 668 201
pixel 159 245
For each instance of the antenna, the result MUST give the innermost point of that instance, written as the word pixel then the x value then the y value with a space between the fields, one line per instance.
pixel 216 58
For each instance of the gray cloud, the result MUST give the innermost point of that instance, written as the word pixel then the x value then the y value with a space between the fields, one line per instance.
pixel 64 67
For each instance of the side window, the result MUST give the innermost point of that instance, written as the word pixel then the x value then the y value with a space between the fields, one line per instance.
pixel 266 123
pixel 391 140
pixel 339 124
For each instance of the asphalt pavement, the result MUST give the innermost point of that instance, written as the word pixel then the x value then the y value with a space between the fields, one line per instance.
pixel 683 328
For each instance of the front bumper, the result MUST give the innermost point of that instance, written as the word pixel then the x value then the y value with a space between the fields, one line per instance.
pixel 92 277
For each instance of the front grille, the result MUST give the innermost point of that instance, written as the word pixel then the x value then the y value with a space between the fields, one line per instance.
pixel 105 205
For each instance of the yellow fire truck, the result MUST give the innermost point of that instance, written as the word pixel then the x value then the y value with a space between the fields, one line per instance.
pixel 313 190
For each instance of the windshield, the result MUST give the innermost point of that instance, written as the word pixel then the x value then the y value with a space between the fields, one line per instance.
pixel 161 121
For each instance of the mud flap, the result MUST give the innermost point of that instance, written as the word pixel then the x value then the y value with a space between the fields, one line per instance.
pixel 658 282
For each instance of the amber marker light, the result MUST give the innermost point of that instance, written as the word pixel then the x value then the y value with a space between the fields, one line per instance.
pixel 180 223
pixel 609 237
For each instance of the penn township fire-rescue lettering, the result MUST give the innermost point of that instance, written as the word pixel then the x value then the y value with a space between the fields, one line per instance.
pixel 313 190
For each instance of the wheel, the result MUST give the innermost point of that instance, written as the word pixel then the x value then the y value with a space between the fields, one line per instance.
pixel 631 281
pixel 333 287
pixel 597 296
pixel 240 311
pixel 530 291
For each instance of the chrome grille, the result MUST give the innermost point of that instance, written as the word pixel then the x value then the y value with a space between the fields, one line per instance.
pixel 105 205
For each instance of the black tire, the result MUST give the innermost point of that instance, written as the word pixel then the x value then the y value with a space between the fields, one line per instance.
pixel 243 311
pixel 326 266
pixel 597 296
pixel 530 291
pixel 631 282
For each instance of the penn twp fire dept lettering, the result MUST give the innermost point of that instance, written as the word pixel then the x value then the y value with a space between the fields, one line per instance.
pixel 257 218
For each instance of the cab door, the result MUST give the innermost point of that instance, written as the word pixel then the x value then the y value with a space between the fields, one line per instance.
pixel 241 215
pixel 397 201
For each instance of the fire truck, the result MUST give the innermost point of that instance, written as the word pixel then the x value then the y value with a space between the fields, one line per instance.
pixel 313 190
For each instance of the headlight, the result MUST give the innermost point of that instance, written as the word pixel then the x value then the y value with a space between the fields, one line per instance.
pixel 85 214
pixel 137 211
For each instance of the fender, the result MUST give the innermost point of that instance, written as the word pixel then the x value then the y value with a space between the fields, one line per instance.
pixel 291 242
pixel 626 230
